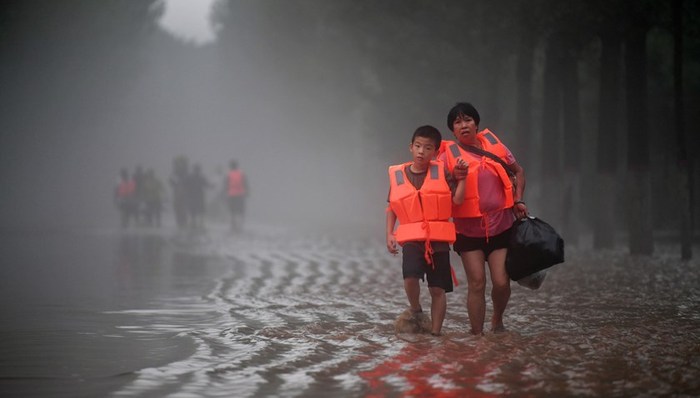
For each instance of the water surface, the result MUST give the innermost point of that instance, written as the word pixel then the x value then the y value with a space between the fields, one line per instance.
pixel 283 313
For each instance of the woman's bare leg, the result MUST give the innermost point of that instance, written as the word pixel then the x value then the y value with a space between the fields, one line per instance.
pixel 500 291
pixel 473 262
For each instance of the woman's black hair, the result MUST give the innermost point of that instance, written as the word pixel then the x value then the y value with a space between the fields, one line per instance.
pixel 462 109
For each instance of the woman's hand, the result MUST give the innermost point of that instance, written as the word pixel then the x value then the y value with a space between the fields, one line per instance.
pixel 520 210
pixel 460 169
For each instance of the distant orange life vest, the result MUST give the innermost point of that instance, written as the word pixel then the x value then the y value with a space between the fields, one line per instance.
pixel 423 213
pixel 235 183
pixel 489 142
pixel 126 188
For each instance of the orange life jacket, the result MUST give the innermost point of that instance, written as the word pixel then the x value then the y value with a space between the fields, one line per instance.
pixel 489 142
pixel 126 188
pixel 235 183
pixel 423 213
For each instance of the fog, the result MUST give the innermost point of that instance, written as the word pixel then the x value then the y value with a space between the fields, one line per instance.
pixel 315 99
pixel 67 132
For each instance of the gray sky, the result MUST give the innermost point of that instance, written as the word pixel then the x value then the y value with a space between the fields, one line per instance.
pixel 189 20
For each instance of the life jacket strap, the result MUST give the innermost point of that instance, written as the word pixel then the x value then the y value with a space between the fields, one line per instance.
pixel 428 247
pixel 485 225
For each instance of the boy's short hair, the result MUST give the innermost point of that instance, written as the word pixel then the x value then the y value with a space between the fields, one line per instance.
pixel 462 108
pixel 429 132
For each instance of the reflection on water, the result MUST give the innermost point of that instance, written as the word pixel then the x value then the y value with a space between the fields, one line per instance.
pixel 274 313
pixel 313 317
pixel 136 253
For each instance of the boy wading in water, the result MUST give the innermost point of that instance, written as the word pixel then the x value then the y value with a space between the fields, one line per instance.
pixel 421 194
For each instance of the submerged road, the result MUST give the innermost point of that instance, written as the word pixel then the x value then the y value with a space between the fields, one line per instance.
pixel 276 312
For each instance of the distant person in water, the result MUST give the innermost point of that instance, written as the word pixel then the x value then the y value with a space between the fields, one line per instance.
pixel 495 184
pixel 139 203
pixel 152 192
pixel 125 197
pixel 197 184
pixel 178 186
pixel 420 197
pixel 236 188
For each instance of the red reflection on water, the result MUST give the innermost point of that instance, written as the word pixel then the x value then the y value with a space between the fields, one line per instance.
pixel 442 368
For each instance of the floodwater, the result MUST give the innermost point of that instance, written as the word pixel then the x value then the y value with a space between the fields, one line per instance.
pixel 283 313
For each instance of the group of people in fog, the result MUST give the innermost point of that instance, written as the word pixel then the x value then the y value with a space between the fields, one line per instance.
pixel 468 193
pixel 140 196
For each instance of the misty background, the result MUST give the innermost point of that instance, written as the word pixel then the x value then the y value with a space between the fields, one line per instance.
pixel 316 98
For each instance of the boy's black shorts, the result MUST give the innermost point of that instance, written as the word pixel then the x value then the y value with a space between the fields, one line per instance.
pixel 414 265
pixel 467 244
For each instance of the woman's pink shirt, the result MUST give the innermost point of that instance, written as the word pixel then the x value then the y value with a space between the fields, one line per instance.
pixel 491 197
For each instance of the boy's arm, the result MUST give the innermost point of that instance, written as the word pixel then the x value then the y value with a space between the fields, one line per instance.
pixel 390 237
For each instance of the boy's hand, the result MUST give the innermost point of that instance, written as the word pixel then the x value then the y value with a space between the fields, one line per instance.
pixel 460 170
pixel 391 244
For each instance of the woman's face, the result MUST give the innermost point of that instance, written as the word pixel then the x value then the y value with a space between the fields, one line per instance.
pixel 465 129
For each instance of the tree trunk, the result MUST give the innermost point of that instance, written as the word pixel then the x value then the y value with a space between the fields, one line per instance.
pixel 550 165
pixel 606 162
pixel 572 149
pixel 524 75
pixel 685 206
pixel 638 198
pixel 489 72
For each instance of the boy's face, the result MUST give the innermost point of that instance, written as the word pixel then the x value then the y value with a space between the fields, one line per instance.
pixel 423 150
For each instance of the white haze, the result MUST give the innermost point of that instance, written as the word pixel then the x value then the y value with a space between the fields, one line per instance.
pixel 189 20
pixel 307 164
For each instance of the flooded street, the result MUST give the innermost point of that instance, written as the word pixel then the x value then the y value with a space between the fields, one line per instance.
pixel 283 313
pixel 136 135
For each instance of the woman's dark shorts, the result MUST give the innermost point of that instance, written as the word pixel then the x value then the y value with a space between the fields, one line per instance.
pixel 415 266
pixel 467 244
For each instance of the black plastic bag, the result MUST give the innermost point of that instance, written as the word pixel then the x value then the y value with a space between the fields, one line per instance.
pixel 533 281
pixel 534 246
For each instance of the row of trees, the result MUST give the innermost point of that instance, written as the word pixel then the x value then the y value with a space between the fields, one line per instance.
pixel 589 94
pixel 592 96
pixel 66 68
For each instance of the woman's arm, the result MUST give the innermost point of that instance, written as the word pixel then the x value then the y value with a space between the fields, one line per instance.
pixel 520 209
pixel 519 180
pixel 458 197
pixel 460 175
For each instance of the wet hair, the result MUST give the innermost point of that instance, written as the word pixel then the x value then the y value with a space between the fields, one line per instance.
pixel 462 109
pixel 429 132
pixel 233 164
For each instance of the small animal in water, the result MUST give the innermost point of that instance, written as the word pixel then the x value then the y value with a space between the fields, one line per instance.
pixel 409 322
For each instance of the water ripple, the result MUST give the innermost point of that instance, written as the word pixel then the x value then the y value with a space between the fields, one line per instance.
pixel 314 317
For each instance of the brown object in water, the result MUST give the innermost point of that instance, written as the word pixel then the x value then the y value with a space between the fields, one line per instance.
pixel 408 322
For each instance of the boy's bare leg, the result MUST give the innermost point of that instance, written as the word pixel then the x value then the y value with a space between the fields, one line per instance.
pixel 500 292
pixel 473 262
pixel 412 288
pixel 438 308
